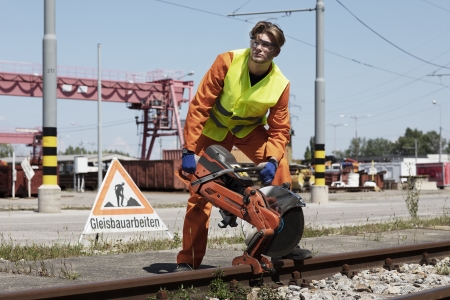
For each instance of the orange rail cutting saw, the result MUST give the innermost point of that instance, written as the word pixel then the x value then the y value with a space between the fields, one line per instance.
pixel 273 214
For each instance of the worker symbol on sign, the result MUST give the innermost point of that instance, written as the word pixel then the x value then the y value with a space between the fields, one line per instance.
pixel 120 190
pixel 119 193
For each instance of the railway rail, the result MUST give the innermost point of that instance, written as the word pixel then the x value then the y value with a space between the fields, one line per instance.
pixel 288 272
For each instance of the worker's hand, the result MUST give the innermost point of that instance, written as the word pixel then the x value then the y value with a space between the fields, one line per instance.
pixel 268 173
pixel 188 161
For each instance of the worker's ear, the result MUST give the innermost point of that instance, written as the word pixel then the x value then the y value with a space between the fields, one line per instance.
pixel 276 52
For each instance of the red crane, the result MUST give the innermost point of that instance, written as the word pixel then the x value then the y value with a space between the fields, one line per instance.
pixel 29 137
pixel 159 94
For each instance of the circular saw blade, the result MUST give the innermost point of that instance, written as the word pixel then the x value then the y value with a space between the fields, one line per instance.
pixel 290 235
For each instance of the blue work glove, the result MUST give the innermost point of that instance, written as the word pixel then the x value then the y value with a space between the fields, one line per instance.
pixel 188 163
pixel 268 173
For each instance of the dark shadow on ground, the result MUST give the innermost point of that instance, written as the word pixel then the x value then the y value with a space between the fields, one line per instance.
pixel 162 268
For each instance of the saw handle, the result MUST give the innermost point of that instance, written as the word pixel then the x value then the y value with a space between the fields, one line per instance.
pixel 186 180
pixel 248 169
pixel 217 174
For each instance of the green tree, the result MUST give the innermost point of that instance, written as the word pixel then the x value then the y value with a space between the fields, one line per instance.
pixel 356 145
pixel 312 144
pixel 427 143
pixel 430 142
pixel 6 150
pixel 307 154
pixel 72 151
pixel 116 152
pixel 377 147
pixel 340 153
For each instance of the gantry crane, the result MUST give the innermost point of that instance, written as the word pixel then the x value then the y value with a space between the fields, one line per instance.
pixel 157 93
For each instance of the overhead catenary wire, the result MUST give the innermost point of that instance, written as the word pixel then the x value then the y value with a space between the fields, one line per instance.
pixel 402 103
pixel 298 40
pixel 389 81
pixel 436 5
pixel 383 94
pixel 385 39
pixel 241 6
pixel 94 126
pixel 335 54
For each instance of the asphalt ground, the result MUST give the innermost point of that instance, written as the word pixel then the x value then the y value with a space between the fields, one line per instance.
pixel 24 225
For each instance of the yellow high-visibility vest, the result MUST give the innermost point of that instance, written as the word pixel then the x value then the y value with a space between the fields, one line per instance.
pixel 240 107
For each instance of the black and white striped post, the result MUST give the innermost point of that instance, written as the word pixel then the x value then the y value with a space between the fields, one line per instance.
pixel 319 191
pixel 49 193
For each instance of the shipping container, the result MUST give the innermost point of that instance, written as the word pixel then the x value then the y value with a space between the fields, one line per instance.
pixel 5 181
pixel 155 174
pixel 171 154
pixel 438 172
pixel 21 185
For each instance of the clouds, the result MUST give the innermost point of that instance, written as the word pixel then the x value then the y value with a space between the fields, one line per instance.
pixel 119 143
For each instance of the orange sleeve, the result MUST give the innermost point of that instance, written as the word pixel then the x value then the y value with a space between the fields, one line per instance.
pixel 205 98
pixel 279 126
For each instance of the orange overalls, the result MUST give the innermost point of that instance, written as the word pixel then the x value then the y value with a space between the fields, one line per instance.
pixel 259 145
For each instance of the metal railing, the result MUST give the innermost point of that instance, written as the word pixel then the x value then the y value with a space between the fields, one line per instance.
pixel 90 73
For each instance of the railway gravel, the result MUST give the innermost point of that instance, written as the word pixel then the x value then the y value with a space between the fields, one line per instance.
pixel 374 284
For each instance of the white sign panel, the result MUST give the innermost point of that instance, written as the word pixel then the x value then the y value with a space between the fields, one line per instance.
pixel 29 172
pixel 121 207
pixel 372 171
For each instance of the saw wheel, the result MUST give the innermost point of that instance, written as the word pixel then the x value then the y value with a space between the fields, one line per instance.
pixel 290 235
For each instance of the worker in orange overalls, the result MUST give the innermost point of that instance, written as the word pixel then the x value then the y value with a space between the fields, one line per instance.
pixel 229 109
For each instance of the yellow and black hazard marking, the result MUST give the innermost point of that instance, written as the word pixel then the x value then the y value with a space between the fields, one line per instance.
pixel 49 160
pixel 319 161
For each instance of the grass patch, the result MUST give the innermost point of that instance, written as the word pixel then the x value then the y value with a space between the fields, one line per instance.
pixel 13 252
pixel 32 258
pixel 395 224
pixel 84 207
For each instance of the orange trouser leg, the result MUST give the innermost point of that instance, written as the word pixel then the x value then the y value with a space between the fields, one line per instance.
pixel 195 231
pixel 196 220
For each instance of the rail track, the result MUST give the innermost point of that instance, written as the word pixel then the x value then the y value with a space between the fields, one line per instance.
pixel 289 272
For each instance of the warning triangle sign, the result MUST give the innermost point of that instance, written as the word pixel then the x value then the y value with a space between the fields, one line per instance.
pixel 120 206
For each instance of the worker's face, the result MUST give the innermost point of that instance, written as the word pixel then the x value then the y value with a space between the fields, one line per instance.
pixel 263 49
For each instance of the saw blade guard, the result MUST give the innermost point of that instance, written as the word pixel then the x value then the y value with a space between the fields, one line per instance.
pixel 288 235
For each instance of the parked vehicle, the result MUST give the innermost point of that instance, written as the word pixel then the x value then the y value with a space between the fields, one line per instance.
pixel 438 172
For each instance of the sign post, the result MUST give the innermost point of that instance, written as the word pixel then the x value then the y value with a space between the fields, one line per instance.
pixel 14 175
pixel 372 170
pixel 29 173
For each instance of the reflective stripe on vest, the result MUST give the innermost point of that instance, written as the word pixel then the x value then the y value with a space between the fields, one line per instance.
pixel 240 107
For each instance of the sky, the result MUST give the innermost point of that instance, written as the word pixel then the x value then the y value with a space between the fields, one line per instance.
pixel 379 55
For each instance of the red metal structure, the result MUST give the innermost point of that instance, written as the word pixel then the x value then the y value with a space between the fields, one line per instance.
pixel 159 94
pixel 31 138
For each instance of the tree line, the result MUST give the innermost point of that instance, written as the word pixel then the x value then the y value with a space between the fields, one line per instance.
pixel 81 150
pixel 427 143
pixel 6 150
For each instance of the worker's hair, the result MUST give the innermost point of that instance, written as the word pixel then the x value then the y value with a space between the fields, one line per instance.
pixel 272 30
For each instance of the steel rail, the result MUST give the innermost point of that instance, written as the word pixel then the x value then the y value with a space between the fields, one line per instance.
pixel 288 272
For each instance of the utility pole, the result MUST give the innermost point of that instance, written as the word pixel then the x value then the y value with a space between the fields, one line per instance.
pixel 99 125
pixel 49 193
pixel 319 191
pixel 440 129
pixel 440 118
pixel 356 131
pixel 336 125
